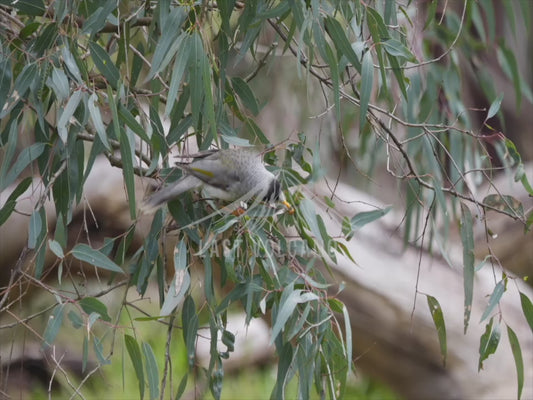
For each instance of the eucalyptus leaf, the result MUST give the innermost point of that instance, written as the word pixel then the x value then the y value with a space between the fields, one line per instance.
pixel 495 106
pixel 56 248
pixel 92 305
pixel 527 308
pixel 363 218
pixel 24 159
pixel 54 324
pixel 438 319
pixel 467 238
pixel 367 78
pixel 96 117
pixel 67 113
pixel 104 64
pixel 488 342
pixel 494 299
pixel 519 362
pixel 94 257
pixel 134 351
pixel 152 371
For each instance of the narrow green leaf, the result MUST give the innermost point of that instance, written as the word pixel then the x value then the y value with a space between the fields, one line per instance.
pixel 190 328
pixel 488 342
pixel 338 35
pixel 67 114
pixel 521 176
pixel 45 40
pixel 94 257
pixel 152 371
pixel 276 11
pixel 169 41
pixel 97 20
pixel 34 229
pixel 494 299
pixel 290 299
pixel 335 78
pixel 378 31
pixel 527 309
pixel 70 64
pixel 467 238
pixel 256 131
pixel 180 65
pixel 27 76
pixel 75 318
pixel 396 48
pixel 99 352
pixel 134 352
pixel 245 94
pixel 367 78
pixel 25 158
pixel 196 64
pixel 431 11
pixel 5 81
pixel 366 217
pixel 7 210
pixel 9 150
pixel 96 117
pixel 236 141
pixel 495 106
pixel 104 64
pixel 509 65
pixel 41 248
pixel 305 362
pixel 398 73
pixel 519 363
pixel 209 105
pixel 349 340
pixel 127 157
pixel 180 284
pixel 56 248
pixel 54 324
pixel 505 203
pixel 92 305
pixel 85 352
pixel 285 355
pixel 131 122
pixel 181 387
pixel 58 82
pixel 228 339
pixel 28 7
pixel 513 152
pixel 11 202
pixel 438 319
pixel 308 212
pixel 529 222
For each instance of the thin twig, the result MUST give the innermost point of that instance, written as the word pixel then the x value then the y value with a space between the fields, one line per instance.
pixel 412 173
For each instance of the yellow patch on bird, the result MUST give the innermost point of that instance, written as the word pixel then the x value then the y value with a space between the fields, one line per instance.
pixel 204 172
pixel 290 208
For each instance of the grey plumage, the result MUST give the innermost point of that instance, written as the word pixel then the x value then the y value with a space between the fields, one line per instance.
pixel 231 175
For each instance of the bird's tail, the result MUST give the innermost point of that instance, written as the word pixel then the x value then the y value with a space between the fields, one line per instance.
pixel 168 193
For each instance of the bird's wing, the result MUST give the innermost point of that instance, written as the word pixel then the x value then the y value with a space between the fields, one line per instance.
pixel 171 191
pixel 212 170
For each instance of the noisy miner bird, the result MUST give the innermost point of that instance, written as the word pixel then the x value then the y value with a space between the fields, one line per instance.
pixel 229 174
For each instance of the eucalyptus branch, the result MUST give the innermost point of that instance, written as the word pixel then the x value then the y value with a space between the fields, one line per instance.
pixel 412 173
pixel 262 62
pixel 115 145
pixel 168 358
pixel 117 162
